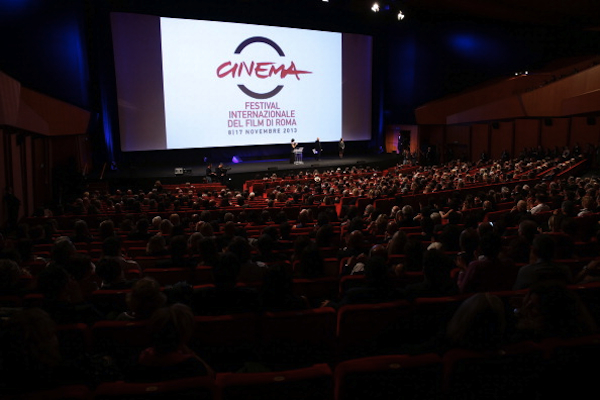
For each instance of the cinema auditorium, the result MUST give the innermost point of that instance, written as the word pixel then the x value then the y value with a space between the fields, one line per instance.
pixel 299 199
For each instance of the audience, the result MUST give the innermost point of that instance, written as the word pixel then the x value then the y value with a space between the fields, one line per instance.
pixel 476 224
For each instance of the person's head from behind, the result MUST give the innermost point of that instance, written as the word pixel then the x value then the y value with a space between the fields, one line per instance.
pixel 109 271
pixel 179 246
pixel 10 273
pixel 171 328
pixel 376 271
pixel 145 298
pixel 543 248
pixel 528 229
pixel 478 324
pixel 490 245
pixel 142 225
pixel 79 266
pixel 226 272
pixel 437 267
pixel 29 343
pixel 156 245
pixel 111 246
pixel 240 247
pixel 52 282
pixel 107 228
pixel 551 309
pixel 61 250
pixel 81 228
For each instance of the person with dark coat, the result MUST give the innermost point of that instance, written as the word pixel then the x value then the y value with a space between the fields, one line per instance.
pixel 318 149
pixel 543 268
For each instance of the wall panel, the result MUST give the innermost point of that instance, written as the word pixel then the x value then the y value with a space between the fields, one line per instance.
pixel 555 132
pixel 527 133
pixel 584 131
pixel 480 140
pixel 501 138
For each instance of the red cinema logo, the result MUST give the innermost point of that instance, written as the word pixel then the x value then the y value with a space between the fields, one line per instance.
pixel 261 70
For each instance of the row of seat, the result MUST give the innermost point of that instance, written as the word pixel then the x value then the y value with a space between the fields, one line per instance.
pixel 554 367
pixel 307 336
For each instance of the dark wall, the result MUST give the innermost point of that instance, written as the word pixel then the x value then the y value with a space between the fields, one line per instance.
pixel 43 45
pixel 430 60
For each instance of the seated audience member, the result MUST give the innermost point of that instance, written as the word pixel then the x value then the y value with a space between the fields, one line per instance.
pixel 551 310
pixel 140 232
pixel 355 244
pixel 225 297
pixel 81 268
pixel 266 245
pixel 111 248
pixel 62 298
pixel 397 243
pixel 209 253
pixel 479 324
pixel 62 249
pixel 378 287
pixel 82 233
pixel 143 300
pixel 519 248
pixel 356 265
pixel 112 276
pixel 106 229
pixel 157 246
pixel 589 273
pixel 276 291
pixel 11 279
pixel 489 272
pixel 437 281
pixel 309 264
pixel 30 357
pixel 250 271
pixel 543 267
pixel 169 356
pixel 178 255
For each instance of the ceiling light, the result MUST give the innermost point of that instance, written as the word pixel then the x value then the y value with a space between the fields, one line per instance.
pixel 375 7
pixel 400 16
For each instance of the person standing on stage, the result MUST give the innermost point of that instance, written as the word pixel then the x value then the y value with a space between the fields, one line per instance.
pixel 318 149
pixel 342 147
pixel 221 173
pixel 292 155
pixel 210 175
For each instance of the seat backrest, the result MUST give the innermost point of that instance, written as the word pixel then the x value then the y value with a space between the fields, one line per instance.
pixel 300 337
pixel 200 388
pixel 361 326
pixel 314 382
pixel 226 342
pixel 512 372
pixel 120 339
pixel 390 377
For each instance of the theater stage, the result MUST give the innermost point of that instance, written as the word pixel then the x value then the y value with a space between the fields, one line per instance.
pixel 143 176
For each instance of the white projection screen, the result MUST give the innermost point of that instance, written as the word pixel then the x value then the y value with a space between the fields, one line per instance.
pixel 184 83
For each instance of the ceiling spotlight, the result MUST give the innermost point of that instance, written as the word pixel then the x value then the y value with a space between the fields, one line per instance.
pixel 375 7
pixel 400 16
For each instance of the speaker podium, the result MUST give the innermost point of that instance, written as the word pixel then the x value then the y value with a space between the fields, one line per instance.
pixel 298 155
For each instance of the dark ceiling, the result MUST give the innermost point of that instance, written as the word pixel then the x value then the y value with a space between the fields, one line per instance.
pixel 578 14
pixel 356 15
